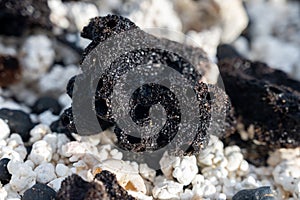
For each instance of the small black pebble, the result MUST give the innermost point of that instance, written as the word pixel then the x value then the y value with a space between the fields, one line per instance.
pixel 262 193
pixel 57 127
pixel 4 174
pixel 39 191
pixel 46 103
pixel 18 122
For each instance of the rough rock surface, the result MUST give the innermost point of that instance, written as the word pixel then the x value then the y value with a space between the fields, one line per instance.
pixel 105 186
pixel 258 92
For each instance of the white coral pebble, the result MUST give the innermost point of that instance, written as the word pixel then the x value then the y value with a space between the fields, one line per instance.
pixel 186 170
pixel 38 132
pixel 61 170
pixel 37 56
pixel 22 175
pixel 56 183
pixel 45 173
pixel 15 142
pixel 234 157
pixel 4 129
pixel 41 152
pixel 287 174
pixel 126 173
pixel 167 190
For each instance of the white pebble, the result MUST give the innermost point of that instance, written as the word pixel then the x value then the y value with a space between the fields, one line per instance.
pixel 61 170
pixel 209 191
pixel 187 194
pixel 186 170
pixel 22 175
pixel 47 117
pixel 4 129
pixel 249 183
pixel 56 183
pixel 15 142
pixel 57 79
pixel 146 172
pixel 234 157
pixel 221 196
pixel 51 139
pixel 45 173
pixel 38 132
pixel 126 173
pixel 166 164
pixel 167 190
pixel 37 56
pixel 41 152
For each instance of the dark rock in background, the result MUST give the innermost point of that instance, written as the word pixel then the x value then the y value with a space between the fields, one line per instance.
pixel 266 98
pixel 10 70
pixel 18 16
pixel 46 103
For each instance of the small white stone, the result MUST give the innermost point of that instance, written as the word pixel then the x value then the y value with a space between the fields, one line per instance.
pixel 22 176
pixel 206 160
pixel 229 187
pixel 37 56
pixel 4 129
pixel 166 164
pixel 61 170
pixel 38 132
pixel 187 194
pixel 219 172
pixel 7 152
pixel 127 175
pixel 234 157
pixel 47 117
pixel 3 193
pixel 249 183
pixel 186 170
pixel 146 172
pixel 80 13
pixel 65 101
pixel 51 139
pixel 287 174
pixel 11 194
pixel 221 196
pixel 115 154
pixel 148 14
pixel 56 183
pixel 58 13
pixel 41 152
pixel 209 190
pixel 45 173
pixel 57 79
pixel 15 142
pixel 81 151
pixel 167 190
pixel 62 139
pixel 244 166
pixel 296 193
pixel 29 163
